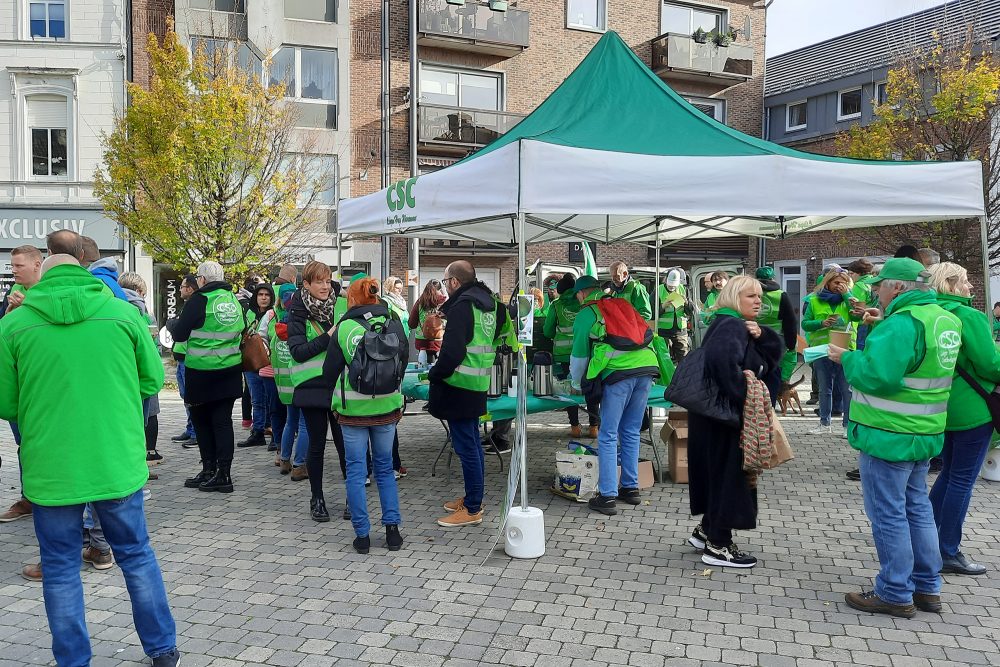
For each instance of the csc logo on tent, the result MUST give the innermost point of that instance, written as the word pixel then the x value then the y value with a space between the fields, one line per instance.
pixel 400 195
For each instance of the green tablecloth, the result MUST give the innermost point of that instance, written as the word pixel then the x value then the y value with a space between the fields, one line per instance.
pixel 505 407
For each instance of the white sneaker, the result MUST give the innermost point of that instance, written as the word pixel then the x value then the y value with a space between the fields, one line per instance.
pixel 843 434
pixel 146 493
pixel 821 430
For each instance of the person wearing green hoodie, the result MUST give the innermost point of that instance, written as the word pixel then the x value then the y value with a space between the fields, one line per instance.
pixel 69 321
pixel 558 328
pixel 970 426
pixel 901 385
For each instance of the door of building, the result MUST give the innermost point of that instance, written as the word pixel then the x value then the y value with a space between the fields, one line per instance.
pixel 791 275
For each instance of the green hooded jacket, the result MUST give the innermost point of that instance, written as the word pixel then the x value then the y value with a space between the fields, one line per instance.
pixel 894 347
pixel 75 365
pixel 979 356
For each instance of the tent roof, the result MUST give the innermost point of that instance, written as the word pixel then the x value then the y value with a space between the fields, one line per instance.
pixel 615 154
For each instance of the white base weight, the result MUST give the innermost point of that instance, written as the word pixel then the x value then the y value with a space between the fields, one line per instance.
pixel 991 469
pixel 525 533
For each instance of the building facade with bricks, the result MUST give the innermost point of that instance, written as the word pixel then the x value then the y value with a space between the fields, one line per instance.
pixel 815 93
pixel 64 80
pixel 479 71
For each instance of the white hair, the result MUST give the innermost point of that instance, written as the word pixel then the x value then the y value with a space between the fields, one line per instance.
pixel 58 260
pixel 907 285
pixel 211 272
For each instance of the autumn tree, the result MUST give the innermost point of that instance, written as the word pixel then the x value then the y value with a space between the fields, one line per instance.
pixel 941 103
pixel 201 166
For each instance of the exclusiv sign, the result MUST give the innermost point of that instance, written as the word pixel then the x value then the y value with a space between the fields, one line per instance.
pixel 31 226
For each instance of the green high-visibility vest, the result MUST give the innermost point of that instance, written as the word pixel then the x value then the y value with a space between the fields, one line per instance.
pixel 346 399
pixel 310 368
pixel 421 316
pixel 281 362
pixel 339 309
pixel 770 303
pixel 820 311
pixel 566 311
pixel 671 310
pixel 180 347
pixel 473 373
pixel 605 359
pixel 921 406
pixel 216 345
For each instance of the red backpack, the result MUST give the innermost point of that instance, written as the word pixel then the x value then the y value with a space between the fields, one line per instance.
pixel 626 330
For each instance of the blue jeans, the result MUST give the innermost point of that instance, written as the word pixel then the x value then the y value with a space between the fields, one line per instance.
pixel 903 527
pixel 465 440
pixel 356 439
pixel 623 405
pixel 258 400
pixel 188 428
pixel 92 523
pixel 276 409
pixel 295 422
pixel 58 530
pixel 829 374
pixel 962 458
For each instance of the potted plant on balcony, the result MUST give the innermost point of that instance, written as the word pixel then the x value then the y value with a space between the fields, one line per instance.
pixel 700 36
pixel 720 38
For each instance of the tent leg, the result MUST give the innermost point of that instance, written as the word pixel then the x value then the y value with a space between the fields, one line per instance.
pixel 656 285
pixel 983 225
pixel 522 367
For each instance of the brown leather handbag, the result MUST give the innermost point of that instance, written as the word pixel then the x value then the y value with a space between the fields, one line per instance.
pixel 252 349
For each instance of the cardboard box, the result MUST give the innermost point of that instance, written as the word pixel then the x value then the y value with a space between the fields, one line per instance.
pixel 677 459
pixel 675 435
pixel 645 474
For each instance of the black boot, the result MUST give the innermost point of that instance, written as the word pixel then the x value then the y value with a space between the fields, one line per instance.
pixel 393 539
pixel 317 508
pixel 256 439
pixel 207 471
pixel 220 481
pixel 362 544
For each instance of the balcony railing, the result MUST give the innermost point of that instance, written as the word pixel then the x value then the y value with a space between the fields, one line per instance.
pixel 457 126
pixel 472 27
pixel 683 55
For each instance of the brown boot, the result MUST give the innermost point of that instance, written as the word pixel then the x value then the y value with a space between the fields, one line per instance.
pixel 32 572
pixel 299 473
pixel 19 510
pixel 592 431
pixel 277 460
pixel 100 560
pixel 286 467
pixel 575 431
pixel 873 604
pixel 927 602
pixel 461 518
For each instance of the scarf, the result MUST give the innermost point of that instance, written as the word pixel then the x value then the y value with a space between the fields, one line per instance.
pixel 832 298
pixel 321 311
pixel 757 435
pixel 395 300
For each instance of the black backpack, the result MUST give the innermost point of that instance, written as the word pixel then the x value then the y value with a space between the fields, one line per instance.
pixel 380 359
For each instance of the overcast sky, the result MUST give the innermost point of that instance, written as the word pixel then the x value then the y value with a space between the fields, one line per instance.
pixel 792 24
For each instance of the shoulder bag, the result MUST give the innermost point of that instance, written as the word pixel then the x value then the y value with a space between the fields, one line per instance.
pixel 693 388
pixel 252 348
pixel 992 398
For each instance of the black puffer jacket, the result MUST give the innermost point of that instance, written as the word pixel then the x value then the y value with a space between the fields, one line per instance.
pixel 314 393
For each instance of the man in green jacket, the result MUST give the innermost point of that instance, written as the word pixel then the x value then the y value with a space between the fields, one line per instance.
pixel 70 336
pixel 901 383
pixel 624 286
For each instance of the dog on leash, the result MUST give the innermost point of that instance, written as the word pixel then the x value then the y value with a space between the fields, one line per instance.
pixel 788 395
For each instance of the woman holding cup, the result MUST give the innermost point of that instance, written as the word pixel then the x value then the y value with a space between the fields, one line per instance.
pixel 828 318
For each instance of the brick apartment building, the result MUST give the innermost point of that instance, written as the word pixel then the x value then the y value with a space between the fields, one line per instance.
pixel 814 93
pixel 480 70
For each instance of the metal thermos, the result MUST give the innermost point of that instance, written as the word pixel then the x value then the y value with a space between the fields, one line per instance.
pixel 541 374
pixel 500 374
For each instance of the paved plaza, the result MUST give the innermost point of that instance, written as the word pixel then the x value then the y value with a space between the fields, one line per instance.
pixel 253 580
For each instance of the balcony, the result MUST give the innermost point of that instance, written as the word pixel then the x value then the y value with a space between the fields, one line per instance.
pixel 680 57
pixel 458 130
pixel 472 27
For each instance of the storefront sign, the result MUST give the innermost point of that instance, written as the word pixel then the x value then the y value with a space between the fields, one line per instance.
pixel 168 295
pixel 29 226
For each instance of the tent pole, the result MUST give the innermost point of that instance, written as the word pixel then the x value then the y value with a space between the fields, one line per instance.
pixel 522 369
pixel 656 285
pixel 984 222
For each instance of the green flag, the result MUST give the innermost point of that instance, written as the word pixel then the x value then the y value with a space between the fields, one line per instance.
pixel 589 263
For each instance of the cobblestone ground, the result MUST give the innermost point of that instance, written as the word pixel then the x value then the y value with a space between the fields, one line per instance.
pixel 253 581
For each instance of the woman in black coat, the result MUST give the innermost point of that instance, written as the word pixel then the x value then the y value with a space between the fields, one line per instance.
pixel 718 486
pixel 314 306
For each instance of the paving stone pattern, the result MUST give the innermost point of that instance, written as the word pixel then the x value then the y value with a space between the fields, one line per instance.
pixel 253 580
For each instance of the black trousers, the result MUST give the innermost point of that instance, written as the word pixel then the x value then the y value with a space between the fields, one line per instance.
pixel 316 421
pixel 213 426
pixel 246 405
pixel 152 432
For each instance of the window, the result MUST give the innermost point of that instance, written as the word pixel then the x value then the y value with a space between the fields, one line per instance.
pixel 685 19
pixel 587 14
pixel 232 6
pixel 219 54
pixel 318 171
pixel 795 118
pixel 849 104
pixel 46 123
pixel 458 88
pixel 48 19
pixel 881 96
pixel 308 74
pixel 311 10
pixel 712 108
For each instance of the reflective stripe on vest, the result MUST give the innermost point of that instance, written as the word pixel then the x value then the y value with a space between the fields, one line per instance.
pixel 920 407
pixel 346 400
pixel 566 312
pixel 216 344
pixel 671 310
pixel 603 357
pixel 473 372
pixel 310 368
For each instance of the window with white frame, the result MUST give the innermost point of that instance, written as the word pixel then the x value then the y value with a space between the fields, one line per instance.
pixel 309 75
pixel 461 88
pixel 231 6
pixel 311 10
pixel 685 19
pixel 795 116
pixel 849 104
pixel 587 14
pixel 47 18
pixel 47 136
pixel 713 108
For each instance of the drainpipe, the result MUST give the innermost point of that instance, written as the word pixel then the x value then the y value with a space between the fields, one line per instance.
pixel 386 243
pixel 126 42
pixel 765 125
pixel 414 250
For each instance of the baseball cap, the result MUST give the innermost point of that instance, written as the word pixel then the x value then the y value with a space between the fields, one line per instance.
pixel 903 268
pixel 585 282
pixel 673 278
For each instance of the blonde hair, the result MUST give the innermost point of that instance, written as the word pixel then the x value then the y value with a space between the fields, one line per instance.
pixel 835 273
pixel 133 281
pixel 729 296
pixel 947 276
pixel 539 297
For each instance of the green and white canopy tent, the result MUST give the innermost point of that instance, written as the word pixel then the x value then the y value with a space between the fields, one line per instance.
pixel 615 155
